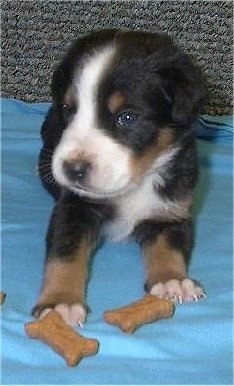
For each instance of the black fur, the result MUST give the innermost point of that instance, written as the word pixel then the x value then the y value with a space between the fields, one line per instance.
pixel 72 218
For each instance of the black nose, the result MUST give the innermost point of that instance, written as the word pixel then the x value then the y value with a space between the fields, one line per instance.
pixel 76 170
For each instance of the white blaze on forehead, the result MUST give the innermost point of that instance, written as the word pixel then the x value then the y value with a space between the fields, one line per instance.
pixel 87 87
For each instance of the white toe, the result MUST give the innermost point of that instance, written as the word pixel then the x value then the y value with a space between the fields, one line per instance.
pixel 77 315
pixel 191 291
pixel 158 290
pixel 73 315
pixel 174 291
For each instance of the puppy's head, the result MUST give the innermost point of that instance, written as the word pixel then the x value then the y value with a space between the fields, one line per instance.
pixel 125 100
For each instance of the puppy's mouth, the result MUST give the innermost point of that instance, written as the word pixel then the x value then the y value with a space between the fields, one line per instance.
pixel 96 194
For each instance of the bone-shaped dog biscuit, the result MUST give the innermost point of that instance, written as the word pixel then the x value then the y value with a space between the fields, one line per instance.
pixel 134 315
pixel 53 331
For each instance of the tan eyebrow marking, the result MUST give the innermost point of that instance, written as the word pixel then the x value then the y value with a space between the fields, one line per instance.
pixel 69 98
pixel 116 102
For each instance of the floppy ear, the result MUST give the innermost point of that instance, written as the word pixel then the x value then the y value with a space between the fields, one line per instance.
pixel 189 92
pixel 185 86
pixel 61 80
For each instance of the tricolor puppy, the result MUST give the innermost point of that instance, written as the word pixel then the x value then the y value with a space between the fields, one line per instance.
pixel 119 156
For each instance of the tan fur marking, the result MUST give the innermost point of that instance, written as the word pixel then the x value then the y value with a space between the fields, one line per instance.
pixel 116 102
pixel 69 98
pixel 163 263
pixel 64 282
pixel 139 165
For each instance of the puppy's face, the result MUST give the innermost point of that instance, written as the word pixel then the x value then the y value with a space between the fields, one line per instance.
pixel 119 116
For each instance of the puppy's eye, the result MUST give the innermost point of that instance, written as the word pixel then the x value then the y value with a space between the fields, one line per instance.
pixel 126 118
pixel 67 111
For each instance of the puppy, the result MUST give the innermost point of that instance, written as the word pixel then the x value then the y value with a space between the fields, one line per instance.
pixel 120 159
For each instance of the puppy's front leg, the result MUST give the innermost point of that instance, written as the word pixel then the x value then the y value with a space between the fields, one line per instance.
pixel 166 249
pixel 64 284
pixel 71 238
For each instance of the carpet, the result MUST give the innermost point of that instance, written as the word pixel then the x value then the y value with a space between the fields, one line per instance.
pixel 35 34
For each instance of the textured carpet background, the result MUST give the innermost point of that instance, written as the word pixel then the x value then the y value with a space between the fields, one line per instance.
pixel 35 34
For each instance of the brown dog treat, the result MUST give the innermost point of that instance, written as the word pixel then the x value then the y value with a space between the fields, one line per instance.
pixel 2 298
pixel 134 315
pixel 53 331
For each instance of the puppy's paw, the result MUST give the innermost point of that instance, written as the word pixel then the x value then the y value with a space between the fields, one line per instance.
pixel 178 291
pixel 72 314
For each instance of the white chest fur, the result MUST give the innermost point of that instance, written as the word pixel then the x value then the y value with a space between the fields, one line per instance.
pixel 141 204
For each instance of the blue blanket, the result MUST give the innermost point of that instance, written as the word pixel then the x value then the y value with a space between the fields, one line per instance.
pixel 193 347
